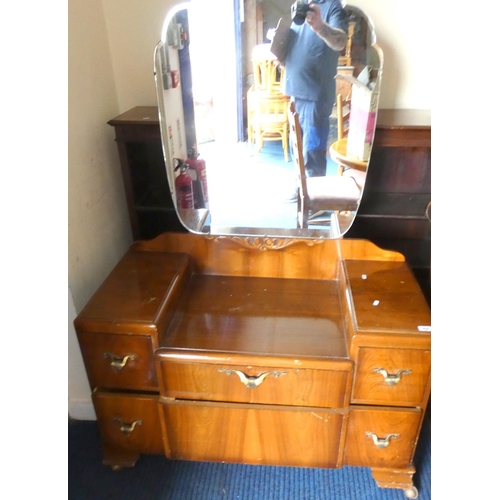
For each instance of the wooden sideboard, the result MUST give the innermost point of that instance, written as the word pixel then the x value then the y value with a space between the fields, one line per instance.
pixel 260 351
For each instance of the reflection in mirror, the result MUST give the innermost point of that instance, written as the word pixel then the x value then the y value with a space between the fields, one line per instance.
pixel 230 146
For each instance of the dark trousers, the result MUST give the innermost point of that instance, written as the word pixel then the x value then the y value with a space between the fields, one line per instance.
pixel 314 119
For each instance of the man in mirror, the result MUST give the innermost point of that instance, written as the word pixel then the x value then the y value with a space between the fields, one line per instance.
pixel 311 65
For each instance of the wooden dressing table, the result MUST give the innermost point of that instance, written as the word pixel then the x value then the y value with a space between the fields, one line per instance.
pixel 260 351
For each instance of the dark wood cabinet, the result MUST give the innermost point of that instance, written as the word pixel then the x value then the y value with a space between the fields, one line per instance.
pixel 149 201
pixel 394 210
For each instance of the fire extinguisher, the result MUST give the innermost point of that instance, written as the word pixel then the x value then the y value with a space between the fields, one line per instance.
pixel 195 162
pixel 183 185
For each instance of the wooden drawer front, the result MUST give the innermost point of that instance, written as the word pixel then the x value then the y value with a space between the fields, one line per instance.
pixel 278 386
pixel 372 385
pixel 104 355
pixel 253 434
pixel 396 429
pixel 129 422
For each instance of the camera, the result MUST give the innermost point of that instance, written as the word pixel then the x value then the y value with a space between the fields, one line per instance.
pixel 299 12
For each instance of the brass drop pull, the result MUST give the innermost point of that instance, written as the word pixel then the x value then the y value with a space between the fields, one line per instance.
pixel 249 381
pixel 381 443
pixel 392 379
pixel 117 362
pixel 127 428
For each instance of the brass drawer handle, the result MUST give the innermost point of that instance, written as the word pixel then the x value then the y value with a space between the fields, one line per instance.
pixel 381 443
pixel 127 428
pixel 251 382
pixel 117 362
pixel 392 379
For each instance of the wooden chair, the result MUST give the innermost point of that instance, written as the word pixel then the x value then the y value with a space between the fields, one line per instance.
pixel 331 192
pixel 267 106
pixel 267 73
pixel 268 119
pixel 347 164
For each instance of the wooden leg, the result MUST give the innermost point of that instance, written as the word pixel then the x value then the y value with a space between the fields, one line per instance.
pixel 396 478
pixel 117 458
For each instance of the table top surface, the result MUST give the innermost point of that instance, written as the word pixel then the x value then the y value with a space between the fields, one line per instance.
pixel 386 118
pixel 338 153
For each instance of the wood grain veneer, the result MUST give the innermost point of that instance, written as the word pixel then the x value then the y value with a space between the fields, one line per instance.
pixel 115 410
pixel 291 387
pixel 360 448
pixel 370 386
pixel 253 434
pixel 139 295
pixel 135 351
pixel 266 316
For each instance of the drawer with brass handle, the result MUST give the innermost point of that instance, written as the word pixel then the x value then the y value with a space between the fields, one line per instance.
pixel 129 422
pixel 119 361
pixel 258 380
pixel 386 376
pixel 381 437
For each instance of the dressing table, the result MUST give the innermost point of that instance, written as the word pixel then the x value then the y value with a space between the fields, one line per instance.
pixel 258 346
pixel 260 351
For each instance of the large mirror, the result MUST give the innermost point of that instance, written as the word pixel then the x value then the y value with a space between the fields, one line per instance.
pixel 234 151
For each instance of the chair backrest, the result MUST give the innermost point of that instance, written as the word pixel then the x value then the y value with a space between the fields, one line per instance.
pixel 343 114
pixel 296 143
pixel 268 75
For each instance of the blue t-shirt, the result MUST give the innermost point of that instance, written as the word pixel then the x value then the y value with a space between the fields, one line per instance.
pixel 311 65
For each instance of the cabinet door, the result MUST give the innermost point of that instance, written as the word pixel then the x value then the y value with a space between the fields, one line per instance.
pixel 381 437
pixel 253 434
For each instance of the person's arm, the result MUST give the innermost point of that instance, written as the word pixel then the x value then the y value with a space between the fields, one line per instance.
pixel 335 38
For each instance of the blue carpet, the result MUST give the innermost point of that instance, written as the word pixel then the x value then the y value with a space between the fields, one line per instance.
pixel 157 478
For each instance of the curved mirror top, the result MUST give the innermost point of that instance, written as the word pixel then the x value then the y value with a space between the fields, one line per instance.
pixel 242 153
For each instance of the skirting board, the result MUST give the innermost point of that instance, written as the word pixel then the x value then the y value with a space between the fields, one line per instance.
pixel 81 410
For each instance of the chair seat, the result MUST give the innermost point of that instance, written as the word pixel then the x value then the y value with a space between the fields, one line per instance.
pixel 342 191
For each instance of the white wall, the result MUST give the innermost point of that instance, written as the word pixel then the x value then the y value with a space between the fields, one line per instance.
pixel 134 29
pixel 98 227
pixel 402 28
pixel 111 45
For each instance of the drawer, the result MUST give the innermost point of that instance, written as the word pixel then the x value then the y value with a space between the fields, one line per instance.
pixel 381 437
pixel 273 383
pixel 254 434
pixel 129 422
pixel 398 377
pixel 119 361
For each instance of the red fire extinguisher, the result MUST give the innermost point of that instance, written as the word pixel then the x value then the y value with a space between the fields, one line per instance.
pixel 183 185
pixel 195 162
